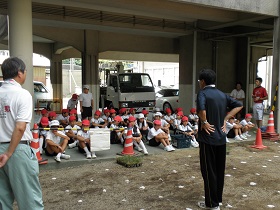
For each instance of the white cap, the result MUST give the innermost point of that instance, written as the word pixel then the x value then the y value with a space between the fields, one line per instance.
pixel 157 109
pixel 158 114
pixel 140 115
pixel 54 123
pixel 86 87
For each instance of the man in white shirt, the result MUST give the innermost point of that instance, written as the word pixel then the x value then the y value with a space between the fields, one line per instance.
pixel 19 167
pixel 86 103
pixel 239 95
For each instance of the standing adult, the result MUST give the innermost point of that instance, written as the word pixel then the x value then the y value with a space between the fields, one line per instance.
pixel 259 95
pixel 239 95
pixel 19 167
pixel 212 110
pixel 86 103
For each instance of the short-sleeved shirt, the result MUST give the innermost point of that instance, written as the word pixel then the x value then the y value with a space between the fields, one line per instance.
pixel 215 103
pixel 177 122
pixel 75 130
pixel 238 94
pixel 16 105
pixel 72 104
pixel 259 92
pixel 168 118
pixel 229 126
pixel 61 117
pixel 153 132
pixel 54 138
pixel 186 128
pixel 244 122
pixel 97 121
pixel 86 99
pixel 84 134
pixel 163 122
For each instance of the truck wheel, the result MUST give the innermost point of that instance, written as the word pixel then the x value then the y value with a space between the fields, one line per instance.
pixel 167 105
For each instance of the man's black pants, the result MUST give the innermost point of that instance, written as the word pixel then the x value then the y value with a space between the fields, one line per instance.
pixel 212 166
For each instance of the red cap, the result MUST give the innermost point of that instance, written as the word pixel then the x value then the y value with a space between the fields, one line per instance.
pixel 86 122
pixel 179 109
pixel 192 110
pixel 118 118
pixel 131 110
pixel 74 96
pixel 112 111
pixel 131 119
pixel 65 111
pixel 248 115
pixel 144 111
pixel 106 111
pixel 44 111
pixel 122 110
pixel 72 118
pixel 97 112
pixel 52 114
pixel 157 122
pixel 73 111
pixel 168 110
pixel 185 118
pixel 44 121
pixel 180 113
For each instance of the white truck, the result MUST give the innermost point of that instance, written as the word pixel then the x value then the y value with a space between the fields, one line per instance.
pixel 130 90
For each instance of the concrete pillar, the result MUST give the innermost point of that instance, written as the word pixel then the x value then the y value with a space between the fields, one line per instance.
pixel 56 79
pixel 242 68
pixel 275 70
pixel 20 36
pixel 187 72
pixel 90 76
pixel 90 72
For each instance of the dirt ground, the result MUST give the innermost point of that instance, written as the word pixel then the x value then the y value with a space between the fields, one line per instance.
pixel 167 181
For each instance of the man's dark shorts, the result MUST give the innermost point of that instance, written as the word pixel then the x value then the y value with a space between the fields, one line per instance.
pixel 87 112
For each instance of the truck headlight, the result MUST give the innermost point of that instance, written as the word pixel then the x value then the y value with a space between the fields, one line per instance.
pixel 151 103
pixel 124 105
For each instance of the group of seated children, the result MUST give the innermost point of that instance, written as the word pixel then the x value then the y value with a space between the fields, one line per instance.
pixel 239 130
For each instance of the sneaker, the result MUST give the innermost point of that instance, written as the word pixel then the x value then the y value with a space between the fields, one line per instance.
pixel 167 148
pixel 171 148
pixel 72 145
pixel 139 149
pixel 93 155
pixel 248 135
pixel 66 157
pixel 227 140
pixel 57 159
pixel 194 144
pixel 88 156
pixel 146 152
pixel 237 138
pixel 243 136
pixel 201 204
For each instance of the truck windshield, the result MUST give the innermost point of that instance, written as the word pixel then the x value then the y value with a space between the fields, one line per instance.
pixel 135 83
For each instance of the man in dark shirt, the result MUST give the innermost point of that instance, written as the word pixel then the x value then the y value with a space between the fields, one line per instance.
pixel 212 107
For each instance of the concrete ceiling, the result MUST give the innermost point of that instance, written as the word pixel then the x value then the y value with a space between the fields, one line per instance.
pixel 220 20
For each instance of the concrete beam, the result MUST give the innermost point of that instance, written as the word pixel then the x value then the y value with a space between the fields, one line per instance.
pixel 264 7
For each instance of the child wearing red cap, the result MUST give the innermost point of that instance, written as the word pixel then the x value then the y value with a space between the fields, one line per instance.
pixel 84 140
pixel 106 117
pixel 169 118
pixel 185 128
pixel 178 119
pixel 52 116
pixel 116 135
pixel 247 125
pixel 145 113
pixel 193 119
pixel 71 131
pixel 124 114
pixel 44 123
pixel 136 136
pixel 97 121
pixel 63 117
pixel 157 136
pixel 44 113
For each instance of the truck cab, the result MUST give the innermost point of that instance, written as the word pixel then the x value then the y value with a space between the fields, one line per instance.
pixel 130 90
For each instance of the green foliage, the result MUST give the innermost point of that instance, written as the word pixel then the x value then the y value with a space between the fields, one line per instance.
pixel 129 161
